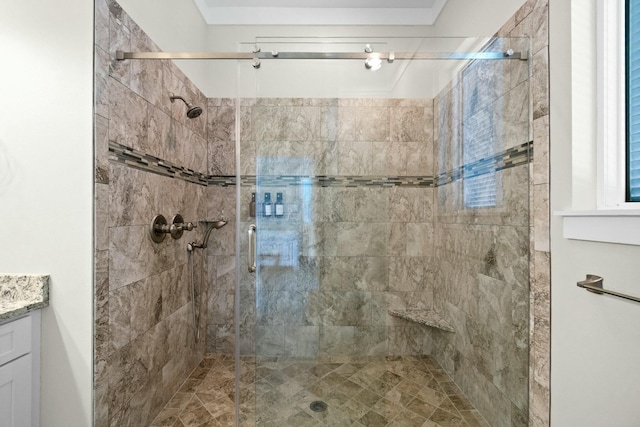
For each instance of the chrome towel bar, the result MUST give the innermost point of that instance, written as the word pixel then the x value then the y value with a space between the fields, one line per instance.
pixel 593 284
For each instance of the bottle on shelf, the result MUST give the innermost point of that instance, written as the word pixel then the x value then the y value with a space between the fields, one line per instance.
pixel 279 208
pixel 267 207
pixel 252 206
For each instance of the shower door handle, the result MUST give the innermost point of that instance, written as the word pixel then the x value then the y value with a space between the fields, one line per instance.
pixel 252 248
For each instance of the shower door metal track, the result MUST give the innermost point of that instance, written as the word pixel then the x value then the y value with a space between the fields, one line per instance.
pixel 385 56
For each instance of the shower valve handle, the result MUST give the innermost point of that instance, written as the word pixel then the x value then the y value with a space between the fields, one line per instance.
pixel 188 226
pixel 177 228
pixel 163 228
pixel 160 227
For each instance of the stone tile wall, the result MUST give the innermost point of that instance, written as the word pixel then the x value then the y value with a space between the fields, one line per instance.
pixel 481 293
pixel 532 20
pixel 144 335
pixel 342 255
pixel 482 252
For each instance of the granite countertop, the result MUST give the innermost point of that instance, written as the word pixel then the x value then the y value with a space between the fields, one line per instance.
pixel 21 293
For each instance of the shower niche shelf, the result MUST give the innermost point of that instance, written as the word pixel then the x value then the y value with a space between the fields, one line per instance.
pixel 424 317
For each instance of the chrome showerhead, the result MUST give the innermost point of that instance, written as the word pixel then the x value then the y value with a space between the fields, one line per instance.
pixel 192 110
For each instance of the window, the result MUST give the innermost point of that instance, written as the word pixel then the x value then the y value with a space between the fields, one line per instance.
pixel 617 218
pixel 478 152
pixel 632 103
pixel 478 129
pixel 619 98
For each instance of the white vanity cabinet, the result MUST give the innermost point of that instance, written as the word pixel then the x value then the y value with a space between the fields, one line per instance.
pixel 20 371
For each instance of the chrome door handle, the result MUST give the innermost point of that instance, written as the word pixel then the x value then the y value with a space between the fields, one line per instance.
pixel 252 248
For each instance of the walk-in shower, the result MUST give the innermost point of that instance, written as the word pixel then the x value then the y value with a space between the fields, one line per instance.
pixel 388 283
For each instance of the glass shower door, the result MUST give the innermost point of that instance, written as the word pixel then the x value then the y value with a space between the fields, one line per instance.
pixel 322 233
pixel 347 175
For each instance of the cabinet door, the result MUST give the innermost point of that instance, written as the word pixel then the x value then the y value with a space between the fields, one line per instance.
pixel 15 339
pixel 15 393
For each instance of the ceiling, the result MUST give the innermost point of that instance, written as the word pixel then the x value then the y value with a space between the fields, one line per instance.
pixel 320 12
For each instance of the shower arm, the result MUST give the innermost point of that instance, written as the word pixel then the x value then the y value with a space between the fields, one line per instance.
pixel 174 97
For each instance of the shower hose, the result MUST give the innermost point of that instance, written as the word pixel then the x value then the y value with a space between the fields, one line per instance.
pixel 196 313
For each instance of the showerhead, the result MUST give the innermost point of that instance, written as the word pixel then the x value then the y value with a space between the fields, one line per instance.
pixel 192 110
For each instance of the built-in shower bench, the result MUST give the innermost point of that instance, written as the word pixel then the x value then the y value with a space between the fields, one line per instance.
pixel 424 317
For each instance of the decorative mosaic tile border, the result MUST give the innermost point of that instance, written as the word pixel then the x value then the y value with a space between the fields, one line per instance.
pixel 509 158
pixel 325 181
pixel 514 156
pixel 136 159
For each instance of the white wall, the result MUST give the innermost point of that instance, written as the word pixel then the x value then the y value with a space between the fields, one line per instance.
pixel 474 18
pixel 595 340
pixel 175 26
pixel 45 185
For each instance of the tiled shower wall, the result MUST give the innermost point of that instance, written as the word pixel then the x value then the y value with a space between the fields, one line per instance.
pixel 346 251
pixel 482 252
pixel 482 293
pixel 144 336
pixel 532 20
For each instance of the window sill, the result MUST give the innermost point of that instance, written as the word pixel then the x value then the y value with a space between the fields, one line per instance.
pixel 607 226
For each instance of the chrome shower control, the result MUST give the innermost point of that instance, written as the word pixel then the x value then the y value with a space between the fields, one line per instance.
pixel 178 226
pixel 189 226
pixel 158 229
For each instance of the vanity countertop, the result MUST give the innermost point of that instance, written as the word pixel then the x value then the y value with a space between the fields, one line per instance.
pixel 21 293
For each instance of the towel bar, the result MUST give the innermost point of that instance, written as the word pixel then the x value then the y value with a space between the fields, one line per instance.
pixel 593 284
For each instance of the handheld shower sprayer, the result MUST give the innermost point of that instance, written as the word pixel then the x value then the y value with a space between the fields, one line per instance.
pixel 196 296
pixel 192 111
pixel 211 225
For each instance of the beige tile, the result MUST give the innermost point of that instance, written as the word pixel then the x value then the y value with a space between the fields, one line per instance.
pixel 372 124
pixel 540 83
pixel 541 150
pixel 355 158
pixel 541 217
pixel 444 418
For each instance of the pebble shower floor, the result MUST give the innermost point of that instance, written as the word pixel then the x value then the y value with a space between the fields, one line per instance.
pixel 396 391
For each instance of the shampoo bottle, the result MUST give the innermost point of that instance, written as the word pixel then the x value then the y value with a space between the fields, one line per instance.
pixel 266 207
pixel 279 205
pixel 252 206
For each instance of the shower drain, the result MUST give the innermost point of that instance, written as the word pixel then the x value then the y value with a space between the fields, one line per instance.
pixel 318 406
